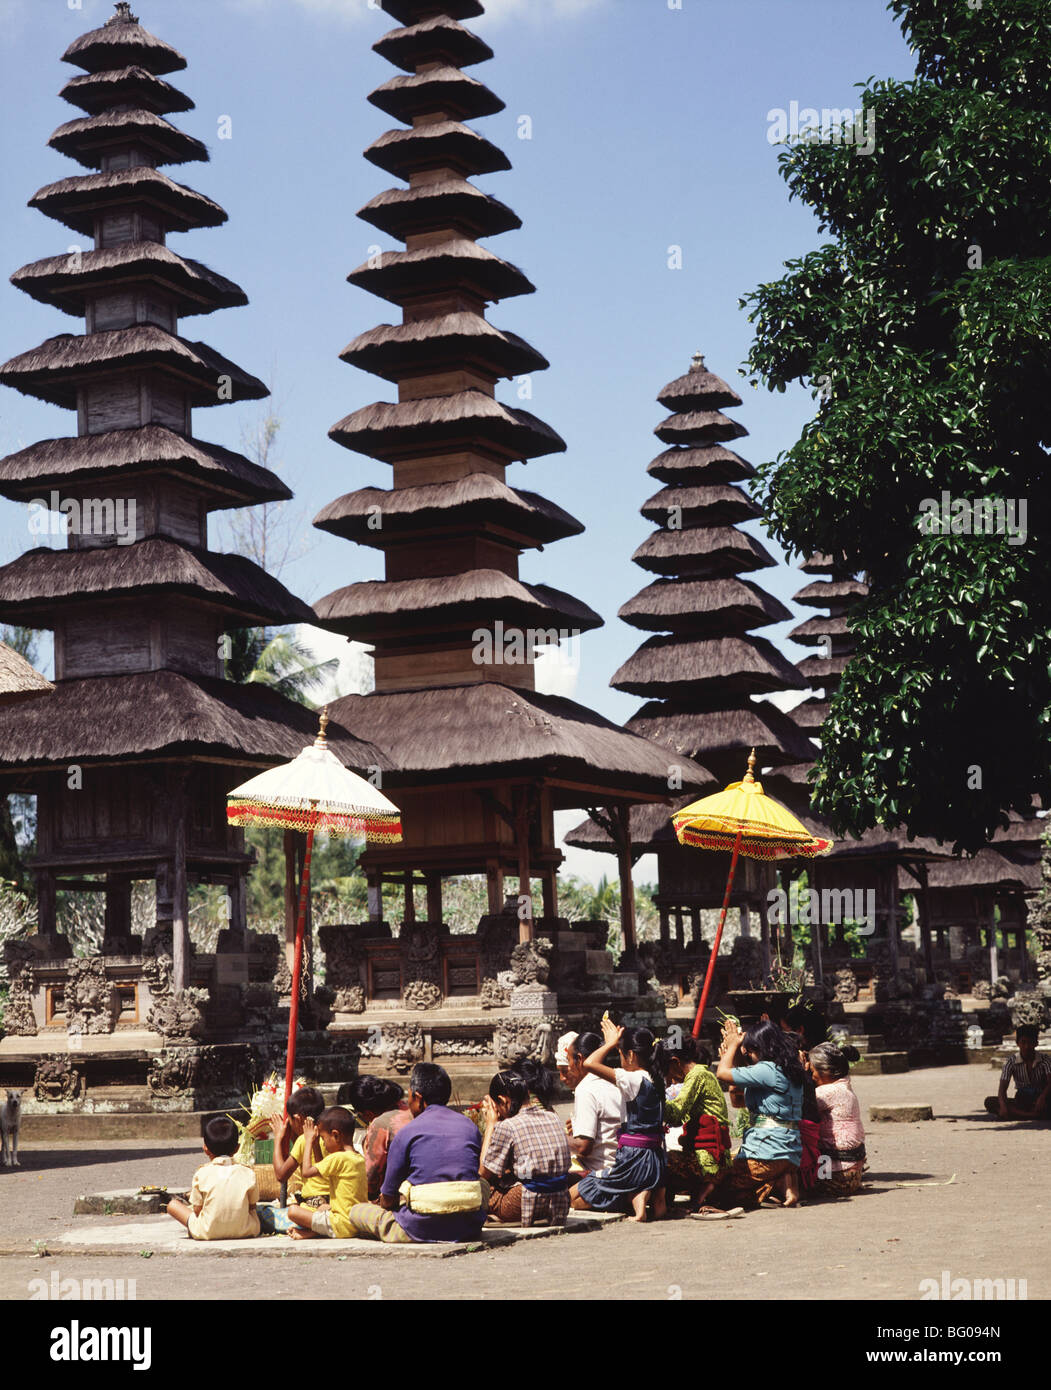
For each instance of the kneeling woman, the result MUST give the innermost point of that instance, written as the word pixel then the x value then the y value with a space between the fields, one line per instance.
pixel 704 1153
pixel 525 1149
pixel 768 1159
pixel 842 1142
pixel 638 1172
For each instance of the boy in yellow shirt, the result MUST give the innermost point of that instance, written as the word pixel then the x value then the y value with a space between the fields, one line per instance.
pixel 306 1103
pixel 342 1170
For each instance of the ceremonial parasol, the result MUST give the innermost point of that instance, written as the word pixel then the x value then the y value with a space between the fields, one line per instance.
pixel 313 792
pixel 744 820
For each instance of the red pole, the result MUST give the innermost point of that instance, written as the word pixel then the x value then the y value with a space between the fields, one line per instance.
pixel 297 967
pixel 718 939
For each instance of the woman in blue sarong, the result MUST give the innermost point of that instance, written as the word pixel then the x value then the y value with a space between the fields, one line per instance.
pixel 636 1177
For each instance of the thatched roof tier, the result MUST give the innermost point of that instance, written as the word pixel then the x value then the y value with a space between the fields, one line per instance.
pixel 165 713
pixel 443 90
pixel 53 371
pixel 702 467
pixel 130 86
pixel 88 138
pixel 837 595
pixel 720 505
pixel 470 418
pixel 400 276
pixel 819 564
pixel 438 145
pixel 986 869
pixel 713 551
pixel 666 667
pixel 820 670
pixel 815 631
pixel 811 714
pixel 18 680
pixel 67 281
pixel 650 827
pixel 720 734
pixel 450 603
pixel 699 427
pixel 477 503
pixel 699 389
pixel 464 733
pixel 435 40
pixel 31 585
pixel 227 479
pixel 453 203
pixel 445 343
pixel 1022 830
pixel 413 11
pixel 702 607
pixel 77 201
pixel 119 42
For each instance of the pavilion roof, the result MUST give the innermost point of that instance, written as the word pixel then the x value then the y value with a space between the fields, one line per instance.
pixel 385 431
pixel 122 41
pixel 703 465
pixel 395 351
pixel 18 679
pixel 434 40
pixel 710 551
pixel 698 389
pixel 718 503
pixel 723 732
pixel 460 263
pixel 670 666
pixel 426 207
pixel 713 606
pixel 440 90
pixel 413 11
pixel 699 427
pixel 76 201
pixel 437 145
pixel 88 138
pixel 135 85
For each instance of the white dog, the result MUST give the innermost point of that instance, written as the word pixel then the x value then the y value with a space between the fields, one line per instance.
pixel 10 1120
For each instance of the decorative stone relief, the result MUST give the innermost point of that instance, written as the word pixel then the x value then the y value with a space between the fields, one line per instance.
pixel 514 1039
pixel 421 953
pixel 57 1079
pixel 179 1017
pixel 399 1045
pixel 19 1019
pixel 92 1002
pixel 461 1047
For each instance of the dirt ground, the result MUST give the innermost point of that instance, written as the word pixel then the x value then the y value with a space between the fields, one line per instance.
pixel 908 1224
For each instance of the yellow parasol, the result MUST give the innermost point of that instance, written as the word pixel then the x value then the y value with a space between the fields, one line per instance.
pixel 313 792
pixel 744 820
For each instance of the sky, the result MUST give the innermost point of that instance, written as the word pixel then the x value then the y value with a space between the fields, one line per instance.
pixel 649 125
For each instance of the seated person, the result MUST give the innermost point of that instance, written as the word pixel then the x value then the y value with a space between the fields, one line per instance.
pixel 341 1170
pixel 432 1164
pixel 223 1197
pixel 381 1106
pixel 598 1110
pixel 306 1103
pixel 841 1142
pixel 524 1137
pixel 704 1152
pixel 1032 1078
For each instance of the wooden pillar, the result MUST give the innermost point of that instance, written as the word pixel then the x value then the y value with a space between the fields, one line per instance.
pixel 374 879
pixel 494 882
pixel 994 957
pixel 665 924
pixel 549 883
pixel 410 902
pixel 239 907
pixel 180 897
pixel 923 905
pixel 745 918
pixel 525 897
pixel 765 942
pixel 680 935
pixel 434 898
pixel 622 819
pixel 46 902
pixel 118 908
pixel 695 927
pixel 889 884
pixel 816 945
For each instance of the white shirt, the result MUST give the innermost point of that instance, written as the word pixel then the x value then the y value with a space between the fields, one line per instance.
pixel 598 1113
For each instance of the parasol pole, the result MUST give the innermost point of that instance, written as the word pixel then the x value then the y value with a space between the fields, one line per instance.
pixel 718 937
pixel 297 965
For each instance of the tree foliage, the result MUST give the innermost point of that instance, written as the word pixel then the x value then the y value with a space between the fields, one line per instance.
pixel 927 322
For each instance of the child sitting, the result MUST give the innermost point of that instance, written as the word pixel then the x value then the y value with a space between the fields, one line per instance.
pixel 306 1103
pixel 223 1198
pixel 1032 1078
pixel 341 1170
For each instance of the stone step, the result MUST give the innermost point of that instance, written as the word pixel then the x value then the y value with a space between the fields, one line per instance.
pixel 899 1114
pixel 881 1063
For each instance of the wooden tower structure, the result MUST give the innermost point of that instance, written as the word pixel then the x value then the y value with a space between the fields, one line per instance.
pixel 482 760
pixel 132 755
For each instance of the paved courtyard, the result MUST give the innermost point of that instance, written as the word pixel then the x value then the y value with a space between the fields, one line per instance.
pixel 911 1223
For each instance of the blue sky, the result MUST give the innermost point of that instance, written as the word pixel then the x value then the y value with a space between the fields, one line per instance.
pixel 649 130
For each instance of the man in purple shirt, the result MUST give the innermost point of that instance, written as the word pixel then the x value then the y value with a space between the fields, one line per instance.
pixel 438 1152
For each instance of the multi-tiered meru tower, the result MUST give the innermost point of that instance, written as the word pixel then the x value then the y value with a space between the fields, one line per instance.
pixel 482 760
pixel 132 756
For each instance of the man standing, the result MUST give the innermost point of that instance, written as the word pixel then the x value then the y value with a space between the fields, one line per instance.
pixel 598 1111
pixel 431 1190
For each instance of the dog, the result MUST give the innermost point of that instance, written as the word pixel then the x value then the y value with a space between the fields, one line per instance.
pixel 10 1121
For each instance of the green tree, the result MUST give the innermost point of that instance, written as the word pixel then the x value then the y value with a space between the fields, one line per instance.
pixel 281 660
pixel 925 326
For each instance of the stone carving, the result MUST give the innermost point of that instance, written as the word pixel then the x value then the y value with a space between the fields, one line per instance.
pixel 495 995
pixel 400 1045
pixel 746 964
pixel 845 986
pixel 57 1079
pixel 421 954
pixel 531 964
pixel 283 975
pixel 264 951
pixel 258 1002
pixel 496 936
pixel 422 994
pixel 179 1017
pixel 349 999
pixel 177 1071
pixel 157 972
pixel 462 1047
pixel 19 1019
pixel 1029 1008
pixel 92 1002
pixel 514 1039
